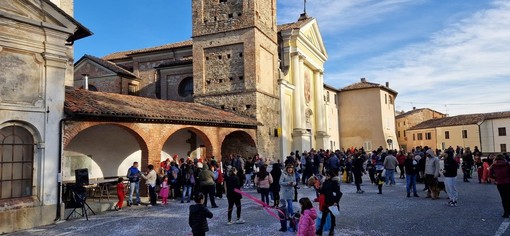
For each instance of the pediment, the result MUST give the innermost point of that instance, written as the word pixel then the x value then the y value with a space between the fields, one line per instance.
pixel 92 68
pixel 37 11
pixel 312 35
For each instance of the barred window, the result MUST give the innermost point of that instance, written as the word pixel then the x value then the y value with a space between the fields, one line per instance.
pixel 16 162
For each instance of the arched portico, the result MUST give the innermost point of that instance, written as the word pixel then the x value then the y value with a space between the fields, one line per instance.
pixel 106 149
pixel 239 142
pixel 187 142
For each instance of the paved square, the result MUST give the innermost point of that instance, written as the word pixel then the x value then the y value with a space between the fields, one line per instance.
pixel 392 213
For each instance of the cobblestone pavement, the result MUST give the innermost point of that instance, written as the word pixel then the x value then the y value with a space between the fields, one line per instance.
pixel 392 213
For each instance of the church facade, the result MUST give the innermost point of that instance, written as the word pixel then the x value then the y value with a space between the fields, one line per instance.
pixel 238 61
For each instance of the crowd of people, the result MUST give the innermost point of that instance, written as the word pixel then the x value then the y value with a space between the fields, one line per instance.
pixel 322 170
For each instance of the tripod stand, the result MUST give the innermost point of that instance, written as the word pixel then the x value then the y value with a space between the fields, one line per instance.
pixel 77 199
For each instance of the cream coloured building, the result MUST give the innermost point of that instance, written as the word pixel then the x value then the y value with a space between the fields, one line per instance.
pixel 411 118
pixel 36 62
pixel 486 131
pixel 495 134
pixel 332 119
pixel 367 116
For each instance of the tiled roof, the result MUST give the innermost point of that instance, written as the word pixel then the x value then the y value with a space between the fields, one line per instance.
pixel 294 25
pixel 330 87
pixel 81 103
pixel 108 65
pixel 468 119
pixel 188 43
pixel 125 54
pixel 366 85
pixel 415 111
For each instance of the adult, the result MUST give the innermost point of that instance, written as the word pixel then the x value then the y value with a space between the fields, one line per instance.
pixel 263 181
pixel 411 170
pixel 188 180
pixel 390 164
pixel 276 173
pixel 334 163
pixel 308 167
pixel 248 168
pixel 164 167
pixel 238 163
pixel 173 177
pixel 467 164
pixel 450 176
pixel 287 183
pixel 358 171
pixel 133 175
pixel 207 179
pixel 500 171
pixel 401 158
pixel 150 178
pixel 331 190
pixel 431 174
pixel 232 183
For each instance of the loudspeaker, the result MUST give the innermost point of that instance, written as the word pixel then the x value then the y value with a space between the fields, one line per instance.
pixel 82 177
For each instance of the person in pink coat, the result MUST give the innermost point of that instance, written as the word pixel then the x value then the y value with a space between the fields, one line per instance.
pixel 306 226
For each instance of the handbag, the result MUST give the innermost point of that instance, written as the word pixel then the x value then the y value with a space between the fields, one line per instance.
pixel 334 210
pixel 383 174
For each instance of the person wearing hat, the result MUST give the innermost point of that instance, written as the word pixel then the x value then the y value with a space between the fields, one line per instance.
pixel 431 174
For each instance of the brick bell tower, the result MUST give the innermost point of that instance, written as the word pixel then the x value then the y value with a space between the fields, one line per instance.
pixel 235 63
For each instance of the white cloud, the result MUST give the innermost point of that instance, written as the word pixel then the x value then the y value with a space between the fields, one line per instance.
pixel 338 15
pixel 467 62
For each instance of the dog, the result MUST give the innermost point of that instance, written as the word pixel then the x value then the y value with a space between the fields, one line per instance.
pixel 437 189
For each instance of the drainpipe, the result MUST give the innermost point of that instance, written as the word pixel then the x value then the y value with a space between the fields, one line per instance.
pixel 480 135
pixel 59 175
pixel 85 81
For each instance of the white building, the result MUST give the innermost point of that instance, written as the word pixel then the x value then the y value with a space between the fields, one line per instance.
pixel 494 136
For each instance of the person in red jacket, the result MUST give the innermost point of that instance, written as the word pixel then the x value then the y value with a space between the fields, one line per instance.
pixel 500 171
pixel 120 193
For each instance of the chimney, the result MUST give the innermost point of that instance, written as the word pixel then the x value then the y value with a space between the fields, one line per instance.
pixel 85 81
pixel 363 80
pixel 387 84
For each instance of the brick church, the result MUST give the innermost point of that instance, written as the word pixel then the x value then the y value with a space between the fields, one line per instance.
pixel 242 85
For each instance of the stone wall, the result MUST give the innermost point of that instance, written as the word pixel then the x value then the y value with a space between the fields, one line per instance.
pixel 224 69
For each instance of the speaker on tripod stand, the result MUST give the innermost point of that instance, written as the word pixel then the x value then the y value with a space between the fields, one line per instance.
pixel 82 177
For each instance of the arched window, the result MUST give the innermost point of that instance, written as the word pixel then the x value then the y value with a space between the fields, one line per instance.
pixel 186 87
pixel 16 162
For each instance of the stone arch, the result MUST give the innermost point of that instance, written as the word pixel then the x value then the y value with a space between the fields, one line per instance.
pixel 75 129
pixel 29 127
pixel 239 142
pixel 205 140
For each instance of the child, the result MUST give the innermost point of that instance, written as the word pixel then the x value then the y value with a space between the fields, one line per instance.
pixel 164 190
pixel 198 215
pixel 283 216
pixel 120 194
pixel 380 181
pixel 306 226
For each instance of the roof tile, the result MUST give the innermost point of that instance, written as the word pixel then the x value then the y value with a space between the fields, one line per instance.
pixel 84 103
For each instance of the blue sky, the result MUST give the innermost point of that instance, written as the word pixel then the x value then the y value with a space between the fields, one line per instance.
pixel 452 56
